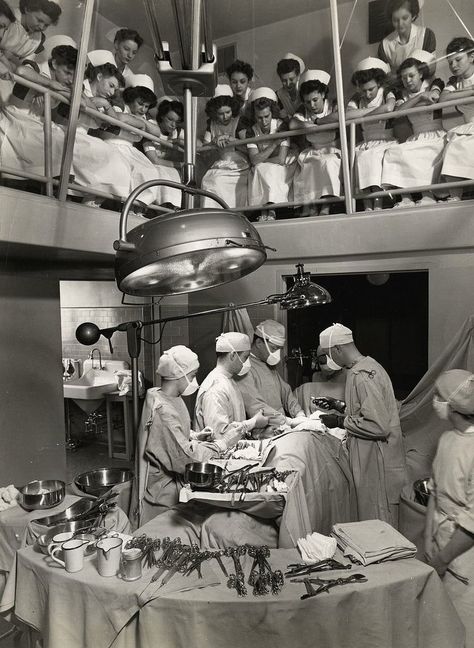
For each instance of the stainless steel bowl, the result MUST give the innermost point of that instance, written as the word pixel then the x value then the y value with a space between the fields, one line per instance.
pixel 202 476
pixel 422 494
pixel 98 482
pixel 42 494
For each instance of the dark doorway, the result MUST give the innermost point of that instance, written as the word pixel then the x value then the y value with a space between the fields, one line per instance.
pixel 388 314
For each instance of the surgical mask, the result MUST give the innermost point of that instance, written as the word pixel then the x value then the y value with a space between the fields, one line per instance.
pixel 441 408
pixel 246 366
pixel 274 357
pixel 191 388
pixel 330 362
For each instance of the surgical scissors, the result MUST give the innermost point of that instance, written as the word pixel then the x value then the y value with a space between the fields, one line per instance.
pixel 324 585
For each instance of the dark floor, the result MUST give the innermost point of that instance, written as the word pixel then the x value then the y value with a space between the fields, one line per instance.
pixel 91 454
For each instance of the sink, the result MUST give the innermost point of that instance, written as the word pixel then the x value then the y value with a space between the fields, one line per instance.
pixel 89 390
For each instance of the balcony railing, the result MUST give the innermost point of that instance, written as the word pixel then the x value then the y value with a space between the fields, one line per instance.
pixel 60 186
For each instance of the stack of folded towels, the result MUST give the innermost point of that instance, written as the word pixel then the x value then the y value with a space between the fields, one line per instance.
pixel 316 547
pixel 372 541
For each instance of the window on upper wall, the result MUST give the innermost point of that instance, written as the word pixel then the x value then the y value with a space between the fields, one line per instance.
pixel 225 56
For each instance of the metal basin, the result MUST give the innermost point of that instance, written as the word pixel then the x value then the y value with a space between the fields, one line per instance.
pixel 202 476
pixel 42 494
pixel 80 507
pixel 98 482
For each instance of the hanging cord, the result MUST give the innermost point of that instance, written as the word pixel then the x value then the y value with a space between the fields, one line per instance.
pixel 349 23
pixel 158 340
pixel 460 19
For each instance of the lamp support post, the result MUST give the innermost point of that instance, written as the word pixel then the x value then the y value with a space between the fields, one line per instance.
pixel 341 110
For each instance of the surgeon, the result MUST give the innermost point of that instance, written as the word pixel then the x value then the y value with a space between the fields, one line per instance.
pixel 329 382
pixel 167 444
pixel 262 387
pixel 449 531
pixel 375 444
pixel 219 403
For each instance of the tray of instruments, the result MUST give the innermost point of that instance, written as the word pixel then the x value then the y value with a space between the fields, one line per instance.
pixel 262 492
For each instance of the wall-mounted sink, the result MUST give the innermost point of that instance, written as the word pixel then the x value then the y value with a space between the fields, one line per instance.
pixel 89 390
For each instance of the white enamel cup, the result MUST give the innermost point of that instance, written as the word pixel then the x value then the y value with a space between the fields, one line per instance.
pixel 109 552
pixel 59 539
pixel 73 553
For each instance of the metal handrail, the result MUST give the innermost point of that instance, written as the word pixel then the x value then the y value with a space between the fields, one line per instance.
pixel 334 126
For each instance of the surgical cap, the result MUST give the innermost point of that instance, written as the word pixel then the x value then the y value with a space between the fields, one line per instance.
pixel 272 331
pixel 233 341
pixel 335 334
pixel 176 362
pixel 457 388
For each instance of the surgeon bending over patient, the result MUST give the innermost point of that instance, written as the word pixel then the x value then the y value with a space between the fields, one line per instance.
pixel 165 445
pixel 262 387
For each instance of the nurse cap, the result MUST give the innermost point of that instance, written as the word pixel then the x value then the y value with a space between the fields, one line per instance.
pixel 165 98
pixel 142 80
pixel 457 388
pixel 232 341
pixel 315 75
pixel 293 57
pixel 272 331
pixel 52 42
pixel 263 93
pixel 425 57
pixel 101 57
pixel 223 90
pixel 177 362
pixel 335 334
pixel 372 63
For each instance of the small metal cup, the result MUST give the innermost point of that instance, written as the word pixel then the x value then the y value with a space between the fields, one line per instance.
pixel 131 564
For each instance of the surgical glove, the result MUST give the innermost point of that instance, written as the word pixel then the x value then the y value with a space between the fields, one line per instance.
pixel 298 420
pixel 313 425
pixel 329 403
pixel 332 420
pixel 206 434
pixel 259 420
pixel 234 433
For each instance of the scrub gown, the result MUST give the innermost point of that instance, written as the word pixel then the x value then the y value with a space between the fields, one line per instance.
pixel 375 444
pixel 452 486
pixel 264 389
pixel 219 403
pixel 167 450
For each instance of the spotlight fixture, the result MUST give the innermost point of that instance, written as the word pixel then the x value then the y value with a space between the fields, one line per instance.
pixel 304 292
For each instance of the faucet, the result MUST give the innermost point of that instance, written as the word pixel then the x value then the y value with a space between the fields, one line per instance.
pixel 91 357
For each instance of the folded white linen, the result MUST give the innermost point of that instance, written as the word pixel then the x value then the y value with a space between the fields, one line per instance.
pixel 316 547
pixel 372 541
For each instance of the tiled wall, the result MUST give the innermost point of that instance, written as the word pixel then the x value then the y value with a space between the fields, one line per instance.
pixel 104 317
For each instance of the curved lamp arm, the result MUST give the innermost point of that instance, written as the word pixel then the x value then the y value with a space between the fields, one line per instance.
pixel 122 243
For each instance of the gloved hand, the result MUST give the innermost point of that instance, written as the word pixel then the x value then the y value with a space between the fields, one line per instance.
pixel 206 434
pixel 234 433
pixel 329 403
pixel 261 421
pixel 332 420
pixel 298 420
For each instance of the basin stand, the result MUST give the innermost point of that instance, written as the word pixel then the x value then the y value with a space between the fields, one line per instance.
pixel 71 444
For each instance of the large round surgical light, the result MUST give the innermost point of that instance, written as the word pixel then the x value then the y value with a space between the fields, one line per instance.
pixel 186 251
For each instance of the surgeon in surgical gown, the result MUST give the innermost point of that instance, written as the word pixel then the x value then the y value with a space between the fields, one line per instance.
pixel 262 387
pixel 375 443
pixel 166 435
pixel 219 403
